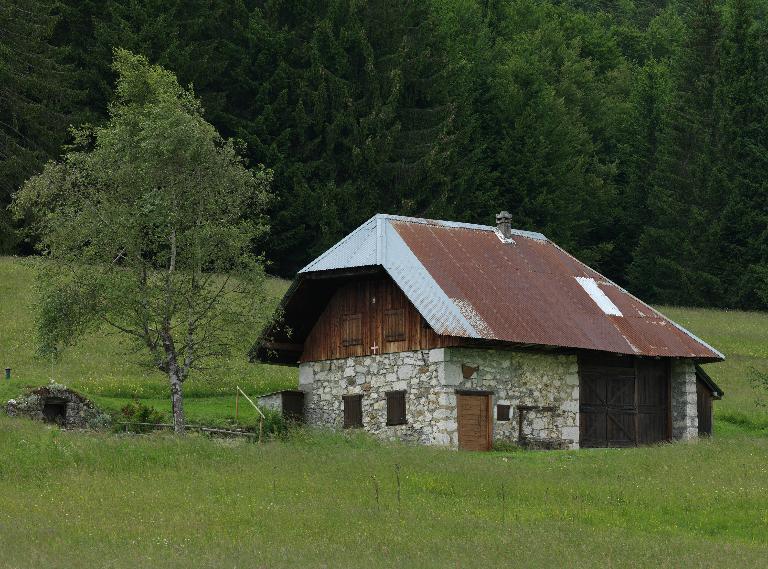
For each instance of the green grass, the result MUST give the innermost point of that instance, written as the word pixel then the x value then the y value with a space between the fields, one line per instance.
pixel 101 500
pixel 90 500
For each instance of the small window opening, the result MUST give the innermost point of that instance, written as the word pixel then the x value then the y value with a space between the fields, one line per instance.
pixel 353 411
pixel 396 408
pixel 502 412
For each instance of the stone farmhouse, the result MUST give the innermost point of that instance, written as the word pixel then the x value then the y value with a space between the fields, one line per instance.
pixel 463 335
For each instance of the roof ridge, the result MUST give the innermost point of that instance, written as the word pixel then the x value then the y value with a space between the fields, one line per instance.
pixel 458 225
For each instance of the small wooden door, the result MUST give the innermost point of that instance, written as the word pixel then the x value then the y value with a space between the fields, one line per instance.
pixel 704 407
pixel 474 418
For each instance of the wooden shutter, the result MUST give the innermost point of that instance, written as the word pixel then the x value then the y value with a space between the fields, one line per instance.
pixel 394 324
pixel 351 330
pixel 353 411
pixel 502 412
pixel 396 408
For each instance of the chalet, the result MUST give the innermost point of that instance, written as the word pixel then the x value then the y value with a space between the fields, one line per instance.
pixel 460 335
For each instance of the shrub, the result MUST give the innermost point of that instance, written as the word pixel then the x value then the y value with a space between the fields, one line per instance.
pixel 759 380
pixel 137 412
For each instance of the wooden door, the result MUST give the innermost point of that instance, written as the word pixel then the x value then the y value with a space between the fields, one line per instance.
pixel 704 408
pixel 474 418
pixel 623 402
pixel 653 421
pixel 608 411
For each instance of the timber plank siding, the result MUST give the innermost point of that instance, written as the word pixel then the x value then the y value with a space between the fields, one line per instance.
pixel 367 313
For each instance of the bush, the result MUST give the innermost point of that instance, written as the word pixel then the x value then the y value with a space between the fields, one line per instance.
pixel 274 425
pixel 137 412
pixel 759 380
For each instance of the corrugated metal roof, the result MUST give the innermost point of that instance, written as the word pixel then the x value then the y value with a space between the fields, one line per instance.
pixel 467 281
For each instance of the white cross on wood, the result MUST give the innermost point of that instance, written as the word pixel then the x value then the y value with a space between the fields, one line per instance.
pixel 375 348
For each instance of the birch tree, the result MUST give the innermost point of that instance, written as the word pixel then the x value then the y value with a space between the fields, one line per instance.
pixel 141 223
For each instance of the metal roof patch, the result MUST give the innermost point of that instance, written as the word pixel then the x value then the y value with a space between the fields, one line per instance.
pixel 598 296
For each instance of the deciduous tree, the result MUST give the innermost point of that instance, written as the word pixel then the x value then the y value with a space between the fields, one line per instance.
pixel 142 226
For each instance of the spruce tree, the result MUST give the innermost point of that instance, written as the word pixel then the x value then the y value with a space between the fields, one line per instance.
pixel 37 101
pixel 671 261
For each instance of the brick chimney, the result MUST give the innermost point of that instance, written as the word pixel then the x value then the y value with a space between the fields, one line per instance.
pixel 504 224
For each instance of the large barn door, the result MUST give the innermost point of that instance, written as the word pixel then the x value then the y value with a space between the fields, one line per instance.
pixel 623 401
pixel 607 407
pixel 474 418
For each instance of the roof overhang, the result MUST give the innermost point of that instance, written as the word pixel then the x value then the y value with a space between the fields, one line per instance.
pixel 704 378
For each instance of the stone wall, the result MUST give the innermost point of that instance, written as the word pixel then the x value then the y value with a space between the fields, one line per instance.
pixel 325 382
pixel 685 420
pixel 543 388
pixel 545 385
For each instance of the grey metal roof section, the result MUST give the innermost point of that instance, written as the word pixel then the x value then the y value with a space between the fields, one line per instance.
pixel 358 249
pixel 376 242
pixel 441 312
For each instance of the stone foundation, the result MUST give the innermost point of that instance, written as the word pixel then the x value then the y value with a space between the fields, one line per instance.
pixel 542 391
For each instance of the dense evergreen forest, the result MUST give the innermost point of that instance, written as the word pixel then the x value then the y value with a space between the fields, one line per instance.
pixel 633 133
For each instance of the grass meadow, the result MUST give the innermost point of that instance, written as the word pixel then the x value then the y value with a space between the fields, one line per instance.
pixel 70 499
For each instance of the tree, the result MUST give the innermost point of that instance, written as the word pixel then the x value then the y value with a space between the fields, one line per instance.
pixel 742 253
pixel 674 258
pixel 141 223
pixel 37 100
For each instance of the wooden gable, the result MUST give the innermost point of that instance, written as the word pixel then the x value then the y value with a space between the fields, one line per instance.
pixel 370 316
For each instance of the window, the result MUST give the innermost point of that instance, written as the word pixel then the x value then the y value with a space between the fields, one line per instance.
pixel 502 412
pixel 353 411
pixel 351 330
pixel 394 324
pixel 396 408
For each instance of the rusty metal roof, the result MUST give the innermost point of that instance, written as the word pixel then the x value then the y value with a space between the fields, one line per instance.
pixel 469 281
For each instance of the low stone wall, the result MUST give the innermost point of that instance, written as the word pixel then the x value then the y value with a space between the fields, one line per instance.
pixel 541 387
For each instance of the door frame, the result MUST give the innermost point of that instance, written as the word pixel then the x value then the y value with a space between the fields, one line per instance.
pixel 489 416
